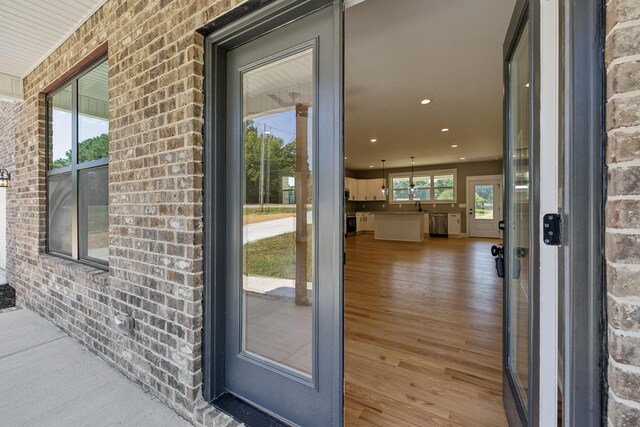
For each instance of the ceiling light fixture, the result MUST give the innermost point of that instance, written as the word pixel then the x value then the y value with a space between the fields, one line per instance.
pixel 454 146
pixel 425 101
pixel 384 190
pixel 412 187
pixel 444 130
pixel 527 85
pixel 370 166
pixel 374 140
pixel 462 158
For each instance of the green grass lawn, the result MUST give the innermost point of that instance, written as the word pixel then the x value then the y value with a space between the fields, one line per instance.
pixel 276 257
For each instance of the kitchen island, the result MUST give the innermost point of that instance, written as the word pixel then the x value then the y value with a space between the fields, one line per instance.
pixel 401 226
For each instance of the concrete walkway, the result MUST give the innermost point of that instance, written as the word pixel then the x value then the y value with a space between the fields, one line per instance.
pixel 47 379
pixel 275 227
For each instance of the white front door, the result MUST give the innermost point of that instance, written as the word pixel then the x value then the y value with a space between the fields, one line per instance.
pixel 484 203
pixel 3 228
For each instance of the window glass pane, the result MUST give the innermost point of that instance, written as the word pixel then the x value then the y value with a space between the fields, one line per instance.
pixel 422 182
pixel 59 209
pixel 93 115
pixel 399 183
pixel 422 194
pixel 443 193
pixel 484 201
pixel 278 210
pixel 402 194
pixel 93 210
pixel 443 181
pixel 59 118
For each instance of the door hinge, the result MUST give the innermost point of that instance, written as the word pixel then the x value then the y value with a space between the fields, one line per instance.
pixel 552 231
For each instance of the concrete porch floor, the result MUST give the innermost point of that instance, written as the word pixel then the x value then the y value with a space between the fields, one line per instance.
pixel 47 379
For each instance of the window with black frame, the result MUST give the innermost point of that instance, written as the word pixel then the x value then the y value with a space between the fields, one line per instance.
pixel 77 167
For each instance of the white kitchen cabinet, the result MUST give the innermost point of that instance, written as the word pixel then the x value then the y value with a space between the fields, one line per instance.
pixel 351 184
pixel 369 222
pixel 362 190
pixel 360 224
pixel 454 223
pixel 373 189
pixel 426 223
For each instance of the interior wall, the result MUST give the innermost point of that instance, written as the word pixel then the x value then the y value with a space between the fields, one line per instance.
pixel 493 167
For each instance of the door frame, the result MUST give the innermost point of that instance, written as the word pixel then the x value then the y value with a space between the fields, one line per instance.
pixel 243 24
pixel 471 200
pixel 583 337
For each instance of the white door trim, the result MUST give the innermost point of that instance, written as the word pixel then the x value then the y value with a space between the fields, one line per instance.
pixel 549 144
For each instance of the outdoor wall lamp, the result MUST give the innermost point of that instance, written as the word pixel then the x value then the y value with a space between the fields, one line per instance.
pixel 5 177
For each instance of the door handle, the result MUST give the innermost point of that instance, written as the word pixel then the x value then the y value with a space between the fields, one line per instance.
pixel 501 225
pixel 498 253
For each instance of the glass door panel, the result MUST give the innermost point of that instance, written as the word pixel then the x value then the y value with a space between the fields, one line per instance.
pixel 282 194
pixel 483 195
pixel 519 196
pixel 278 211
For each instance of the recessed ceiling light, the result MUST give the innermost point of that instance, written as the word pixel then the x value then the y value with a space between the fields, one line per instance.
pixel 527 85
pixel 462 158
pixel 374 140
pixel 454 146
pixel 370 166
pixel 345 157
pixel 425 101
pixel 444 130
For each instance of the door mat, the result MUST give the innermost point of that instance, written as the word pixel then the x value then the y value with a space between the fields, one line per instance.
pixel 7 296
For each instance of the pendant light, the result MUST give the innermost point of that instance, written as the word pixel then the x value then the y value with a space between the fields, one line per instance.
pixel 412 187
pixel 384 190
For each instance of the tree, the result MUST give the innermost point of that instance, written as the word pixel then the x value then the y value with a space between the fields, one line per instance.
pixel 90 149
pixel 281 159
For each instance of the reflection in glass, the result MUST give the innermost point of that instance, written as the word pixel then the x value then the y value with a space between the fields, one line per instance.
pixel 59 210
pixel 93 115
pixel 59 132
pixel 93 205
pixel 484 201
pixel 517 249
pixel 278 206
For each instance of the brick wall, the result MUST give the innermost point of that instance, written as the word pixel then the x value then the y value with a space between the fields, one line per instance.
pixel 622 55
pixel 155 202
pixel 9 113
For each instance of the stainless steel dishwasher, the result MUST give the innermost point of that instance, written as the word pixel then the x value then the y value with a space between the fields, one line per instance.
pixel 439 225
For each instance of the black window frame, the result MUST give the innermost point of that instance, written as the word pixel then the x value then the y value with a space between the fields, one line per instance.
pixel 74 169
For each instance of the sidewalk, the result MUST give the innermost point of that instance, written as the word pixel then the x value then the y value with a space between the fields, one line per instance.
pixel 47 379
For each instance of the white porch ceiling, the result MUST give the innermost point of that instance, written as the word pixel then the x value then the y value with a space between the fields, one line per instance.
pixel 31 30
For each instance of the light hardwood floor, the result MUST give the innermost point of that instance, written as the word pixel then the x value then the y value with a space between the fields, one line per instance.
pixel 423 333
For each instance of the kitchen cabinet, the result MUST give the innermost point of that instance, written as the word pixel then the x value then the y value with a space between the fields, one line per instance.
pixel 373 189
pixel 362 190
pixel 364 222
pixel 370 221
pixel 454 223
pixel 351 184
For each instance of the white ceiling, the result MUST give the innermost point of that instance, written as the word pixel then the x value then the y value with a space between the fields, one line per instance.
pixel 31 30
pixel 398 53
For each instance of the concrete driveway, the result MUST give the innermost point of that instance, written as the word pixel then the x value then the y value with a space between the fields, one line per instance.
pixel 47 379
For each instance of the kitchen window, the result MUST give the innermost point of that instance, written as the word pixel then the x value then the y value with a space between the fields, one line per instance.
pixel 431 186
pixel 77 137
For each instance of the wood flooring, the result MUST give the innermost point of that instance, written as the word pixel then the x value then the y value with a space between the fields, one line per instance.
pixel 423 333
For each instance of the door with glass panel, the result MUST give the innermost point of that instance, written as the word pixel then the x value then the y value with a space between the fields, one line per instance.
pixel 530 270
pixel 484 205
pixel 283 192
